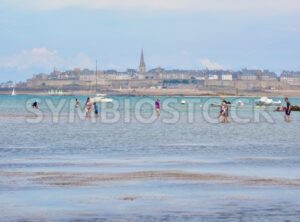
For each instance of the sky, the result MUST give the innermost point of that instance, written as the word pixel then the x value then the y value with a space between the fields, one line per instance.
pixel 38 35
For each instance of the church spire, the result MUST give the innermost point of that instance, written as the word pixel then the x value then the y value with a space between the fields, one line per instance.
pixel 142 67
pixel 142 62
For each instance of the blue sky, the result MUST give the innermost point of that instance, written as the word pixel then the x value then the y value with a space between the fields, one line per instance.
pixel 190 34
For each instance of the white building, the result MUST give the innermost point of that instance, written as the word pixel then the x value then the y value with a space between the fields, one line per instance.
pixel 227 77
pixel 213 77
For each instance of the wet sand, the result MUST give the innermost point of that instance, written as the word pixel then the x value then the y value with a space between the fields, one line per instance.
pixel 92 179
pixel 152 196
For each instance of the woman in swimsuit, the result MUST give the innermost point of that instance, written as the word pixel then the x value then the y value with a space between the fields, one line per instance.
pixel 88 107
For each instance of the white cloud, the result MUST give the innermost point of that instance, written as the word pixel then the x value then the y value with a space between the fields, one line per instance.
pixel 207 64
pixel 45 59
pixel 266 6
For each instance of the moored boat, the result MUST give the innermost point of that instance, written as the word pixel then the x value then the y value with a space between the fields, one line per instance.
pixel 265 101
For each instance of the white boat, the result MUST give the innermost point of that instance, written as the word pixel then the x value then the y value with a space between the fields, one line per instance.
pixel 183 102
pixel 100 98
pixel 13 93
pixel 265 101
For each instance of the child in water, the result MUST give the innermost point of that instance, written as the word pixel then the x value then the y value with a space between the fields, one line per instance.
pixel 96 111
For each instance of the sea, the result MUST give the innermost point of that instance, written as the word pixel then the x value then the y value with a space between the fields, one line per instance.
pixel 131 164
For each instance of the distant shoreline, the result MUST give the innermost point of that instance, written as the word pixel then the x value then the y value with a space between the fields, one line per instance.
pixel 163 92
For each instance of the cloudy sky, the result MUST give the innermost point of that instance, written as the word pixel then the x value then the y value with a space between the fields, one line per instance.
pixel 38 35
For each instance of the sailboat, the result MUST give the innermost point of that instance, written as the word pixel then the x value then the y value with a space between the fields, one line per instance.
pixel 13 93
pixel 99 98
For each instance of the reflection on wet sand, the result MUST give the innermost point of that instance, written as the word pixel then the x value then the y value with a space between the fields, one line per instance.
pixel 89 179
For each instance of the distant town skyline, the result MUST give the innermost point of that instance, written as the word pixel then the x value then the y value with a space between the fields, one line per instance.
pixel 39 35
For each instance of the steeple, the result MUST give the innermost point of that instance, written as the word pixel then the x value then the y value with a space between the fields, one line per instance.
pixel 142 67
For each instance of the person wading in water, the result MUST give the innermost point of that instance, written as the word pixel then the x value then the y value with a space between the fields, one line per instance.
pixel 88 107
pixel 287 116
pixel 157 107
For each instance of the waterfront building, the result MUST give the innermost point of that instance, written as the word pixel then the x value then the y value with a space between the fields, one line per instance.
pixel 248 75
pixel 8 84
pixel 245 79
pixel 227 77
pixel 290 78
pixel 266 75
pixel 213 77
pixel 115 75
pixel 41 76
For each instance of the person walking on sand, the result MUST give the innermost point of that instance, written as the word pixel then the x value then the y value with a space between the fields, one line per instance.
pixel 88 107
pixel 157 107
pixel 287 116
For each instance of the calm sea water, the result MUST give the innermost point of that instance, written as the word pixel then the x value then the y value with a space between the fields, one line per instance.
pixel 131 139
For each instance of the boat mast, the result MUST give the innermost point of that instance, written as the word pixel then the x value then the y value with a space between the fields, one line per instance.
pixel 96 76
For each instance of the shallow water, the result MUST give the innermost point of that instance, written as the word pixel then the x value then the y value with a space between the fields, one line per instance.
pixel 59 168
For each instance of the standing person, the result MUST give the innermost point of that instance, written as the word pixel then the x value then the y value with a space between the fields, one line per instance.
pixel 288 110
pixel 77 103
pixel 222 112
pixel 226 112
pixel 88 107
pixel 96 111
pixel 157 107
pixel 220 117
